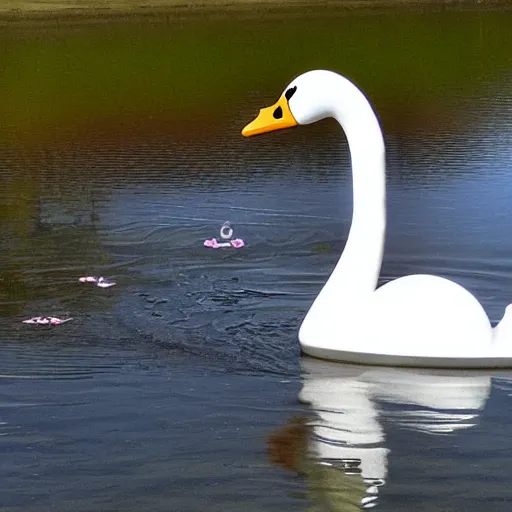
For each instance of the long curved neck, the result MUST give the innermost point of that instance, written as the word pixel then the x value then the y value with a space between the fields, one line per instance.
pixel 358 268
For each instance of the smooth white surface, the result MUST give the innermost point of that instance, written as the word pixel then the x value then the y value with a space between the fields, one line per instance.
pixel 417 320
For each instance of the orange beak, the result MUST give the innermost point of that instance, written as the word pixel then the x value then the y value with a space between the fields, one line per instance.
pixel 276 117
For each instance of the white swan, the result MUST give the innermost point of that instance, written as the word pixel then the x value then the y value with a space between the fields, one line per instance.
pixel 417 320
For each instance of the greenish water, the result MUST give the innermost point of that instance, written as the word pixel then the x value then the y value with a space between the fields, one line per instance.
pixel 180 387
pixel 194 70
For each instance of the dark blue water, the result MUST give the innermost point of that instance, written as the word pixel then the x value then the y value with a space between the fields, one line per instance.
pixel 161 392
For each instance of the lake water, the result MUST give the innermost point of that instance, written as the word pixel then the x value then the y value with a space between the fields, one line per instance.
pixel 182 387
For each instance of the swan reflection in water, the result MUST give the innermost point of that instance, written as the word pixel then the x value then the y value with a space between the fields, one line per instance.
pixel 341 448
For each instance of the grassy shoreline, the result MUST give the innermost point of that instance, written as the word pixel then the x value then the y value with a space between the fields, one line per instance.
pixel 91 10
pixel 148 76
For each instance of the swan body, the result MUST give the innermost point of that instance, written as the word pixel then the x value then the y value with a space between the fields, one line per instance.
pixel 416 320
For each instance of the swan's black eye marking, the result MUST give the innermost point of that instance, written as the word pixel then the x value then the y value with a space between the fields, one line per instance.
pixel 290 92
pixel 278 112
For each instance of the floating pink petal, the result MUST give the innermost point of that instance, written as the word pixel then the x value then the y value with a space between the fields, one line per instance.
pixel 46 320
pixel 100 281
pixel 211 243
pixel 226 234
pixel 214 244
pixel 237 243
pixel 88 279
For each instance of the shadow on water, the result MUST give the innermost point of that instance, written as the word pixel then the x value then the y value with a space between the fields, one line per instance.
pixel 120 152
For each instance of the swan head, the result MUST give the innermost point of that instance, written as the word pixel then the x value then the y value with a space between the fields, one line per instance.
pixel 308 98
